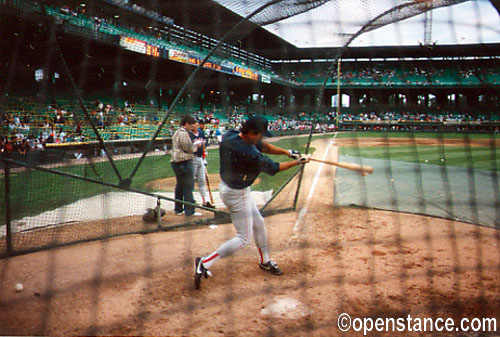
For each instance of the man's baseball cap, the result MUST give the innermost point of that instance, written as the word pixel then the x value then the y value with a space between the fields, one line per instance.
pixel 257 124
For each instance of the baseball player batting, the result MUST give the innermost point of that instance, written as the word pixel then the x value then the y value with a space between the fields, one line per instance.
pixel 241 161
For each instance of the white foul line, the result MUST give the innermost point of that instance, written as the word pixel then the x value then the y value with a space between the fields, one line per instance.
pixel 303 211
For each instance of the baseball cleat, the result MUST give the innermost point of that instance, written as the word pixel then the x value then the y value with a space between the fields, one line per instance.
pixel 199 272
pixel 271 267
pixel 208 205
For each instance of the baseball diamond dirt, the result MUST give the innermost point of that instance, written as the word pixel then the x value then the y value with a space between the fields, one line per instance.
pixel 365 263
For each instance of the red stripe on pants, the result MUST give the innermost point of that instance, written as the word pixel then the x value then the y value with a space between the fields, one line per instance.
pixel 210 258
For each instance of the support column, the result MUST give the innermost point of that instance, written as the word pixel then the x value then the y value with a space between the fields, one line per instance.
pixel 356 96
pixel 382 97
pixel 412 99
pixel 7 208
pixel 472 100
pixel 442 101
pixel 327 98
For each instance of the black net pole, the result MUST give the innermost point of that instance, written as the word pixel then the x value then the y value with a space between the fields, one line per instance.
pixel 281 188
pixel 7 208
pixel 301 174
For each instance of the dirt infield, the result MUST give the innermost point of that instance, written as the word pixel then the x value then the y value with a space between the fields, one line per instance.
pixel 362 262
pixel 168 184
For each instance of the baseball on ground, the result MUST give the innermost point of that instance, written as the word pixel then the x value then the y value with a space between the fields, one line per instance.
pixel 19 287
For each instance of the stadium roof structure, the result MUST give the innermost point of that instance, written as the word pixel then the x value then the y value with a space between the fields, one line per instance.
pixel 488 50
pixel 333 23
pixel 293 28
pixel 210 18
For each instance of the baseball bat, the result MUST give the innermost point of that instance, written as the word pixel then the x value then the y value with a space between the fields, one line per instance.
pixel 209 190
pixel 364 170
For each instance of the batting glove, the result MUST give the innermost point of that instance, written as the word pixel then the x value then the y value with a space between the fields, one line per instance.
pixel 304 159
pixel 205 162
pixel 294 154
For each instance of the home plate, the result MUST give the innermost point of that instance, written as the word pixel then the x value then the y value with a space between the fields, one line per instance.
pixel 286 307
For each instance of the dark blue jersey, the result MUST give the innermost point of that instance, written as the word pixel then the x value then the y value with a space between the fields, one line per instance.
pixel 241 163
pixel 200 135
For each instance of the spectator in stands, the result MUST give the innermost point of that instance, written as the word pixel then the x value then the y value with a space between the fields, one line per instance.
pixel 132 119
pixel 19 135
pixel 2 144
pixel 62 135
pixel 17 121
pixel 15 143
pixel 98 122
pixel 218 134
pixel 5 118
pixel 78 128
pixel 23 146
pixel 50 139
pixel 8 146
pixel 58 117
pixel 183 149
pixel 97 24
pixel 31 143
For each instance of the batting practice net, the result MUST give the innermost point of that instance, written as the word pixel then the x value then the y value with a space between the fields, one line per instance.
pixel 92 92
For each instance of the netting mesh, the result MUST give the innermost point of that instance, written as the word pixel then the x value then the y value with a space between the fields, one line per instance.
pixel 425 185
pixel 341 20
pixel 92 92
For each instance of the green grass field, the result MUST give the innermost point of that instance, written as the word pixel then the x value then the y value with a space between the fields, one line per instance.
pixel 34 192
pixel 479 158
pixel 433 135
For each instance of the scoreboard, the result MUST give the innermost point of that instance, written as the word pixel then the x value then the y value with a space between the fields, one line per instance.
pixel 152 50
pixel 189 57
pixel 139 46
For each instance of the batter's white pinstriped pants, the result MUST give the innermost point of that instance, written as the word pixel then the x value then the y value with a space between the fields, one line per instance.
pixel 246 219
pixel 199 177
